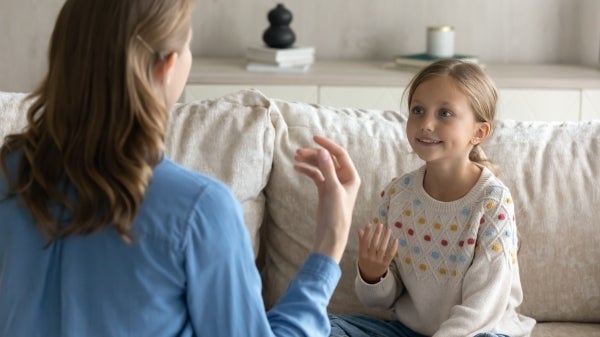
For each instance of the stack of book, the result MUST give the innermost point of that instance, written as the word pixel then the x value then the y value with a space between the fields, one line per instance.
pixel 293 59
pixel 418 61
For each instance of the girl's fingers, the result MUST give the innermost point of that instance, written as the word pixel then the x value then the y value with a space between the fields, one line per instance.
pixel 391 253
pixel 374 246
pixel 384 244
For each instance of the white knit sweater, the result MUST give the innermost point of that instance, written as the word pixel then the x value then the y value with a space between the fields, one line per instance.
pixel 456 273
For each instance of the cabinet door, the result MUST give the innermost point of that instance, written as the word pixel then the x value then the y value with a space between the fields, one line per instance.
pixel 383 98
pixel 539 104
pixel 590 105
pixel 298 93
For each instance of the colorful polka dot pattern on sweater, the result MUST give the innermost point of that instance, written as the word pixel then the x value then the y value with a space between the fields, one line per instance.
pixel 440 240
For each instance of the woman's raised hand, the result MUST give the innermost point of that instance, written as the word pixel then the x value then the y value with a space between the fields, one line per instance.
pixel 337 182
pixel 375 253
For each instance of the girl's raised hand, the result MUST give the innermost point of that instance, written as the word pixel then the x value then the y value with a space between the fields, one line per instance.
pixel 375 253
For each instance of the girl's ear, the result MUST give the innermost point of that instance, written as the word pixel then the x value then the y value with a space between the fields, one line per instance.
pixel 163 69
pixel 482 131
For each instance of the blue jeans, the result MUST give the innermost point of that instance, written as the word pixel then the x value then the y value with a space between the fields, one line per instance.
pixel 363 326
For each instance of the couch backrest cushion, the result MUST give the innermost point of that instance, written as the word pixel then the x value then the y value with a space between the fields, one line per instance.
pixel 231 139
pixel 13 112
pixel 553 171
pixel 376 142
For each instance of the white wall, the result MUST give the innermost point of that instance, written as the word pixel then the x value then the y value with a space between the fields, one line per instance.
pixel 529 31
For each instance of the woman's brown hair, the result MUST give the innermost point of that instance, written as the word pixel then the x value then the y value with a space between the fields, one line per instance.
pixel 475 84
pixel 95 127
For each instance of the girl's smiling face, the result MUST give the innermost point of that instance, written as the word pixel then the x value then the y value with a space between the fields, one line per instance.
pixel 441 122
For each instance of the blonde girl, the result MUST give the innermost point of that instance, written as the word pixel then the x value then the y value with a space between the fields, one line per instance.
pixel 442 249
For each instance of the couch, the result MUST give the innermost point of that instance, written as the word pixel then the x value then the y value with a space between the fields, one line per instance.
pixel 248 141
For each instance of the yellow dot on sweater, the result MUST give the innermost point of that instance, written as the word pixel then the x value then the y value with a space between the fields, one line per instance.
pixel 453 228
pixel 407 212
pixel 443 271
pixel 477 248
pixel 422 221
pixel 453 273
pixel 392 191
pixel 508 200
pixel 468 226
pixel 422 267
pixel 407 260
pixel 489 205
pixel 437 225
pixel 496 248
pixel 375 220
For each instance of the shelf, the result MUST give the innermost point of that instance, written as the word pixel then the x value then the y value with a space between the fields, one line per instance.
pixel 375 74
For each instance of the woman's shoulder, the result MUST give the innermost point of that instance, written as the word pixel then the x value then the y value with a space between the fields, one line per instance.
pixel 169 176
pixel 178 198
pixel 174 187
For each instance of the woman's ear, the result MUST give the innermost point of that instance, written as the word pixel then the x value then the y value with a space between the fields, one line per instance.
pixel 163 69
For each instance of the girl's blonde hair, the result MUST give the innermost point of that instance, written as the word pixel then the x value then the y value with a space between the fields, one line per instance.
pixel 95 128
pixel 475 84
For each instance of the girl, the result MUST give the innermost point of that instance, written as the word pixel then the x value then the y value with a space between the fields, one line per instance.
pixel 451 269
pixel 101 235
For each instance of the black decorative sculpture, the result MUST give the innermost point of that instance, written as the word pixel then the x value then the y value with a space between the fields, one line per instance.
pixel 279 34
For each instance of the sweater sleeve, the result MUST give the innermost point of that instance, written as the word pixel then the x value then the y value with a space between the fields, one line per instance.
pixel 382 294
pixel 224 287
pixel 491 284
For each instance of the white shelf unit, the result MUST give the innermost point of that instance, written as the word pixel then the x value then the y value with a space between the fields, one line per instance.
pixel 544 92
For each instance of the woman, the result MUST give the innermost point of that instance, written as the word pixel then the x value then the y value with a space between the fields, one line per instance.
pixel 102 235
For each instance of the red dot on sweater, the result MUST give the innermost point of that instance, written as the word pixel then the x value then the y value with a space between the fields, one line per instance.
pixel 427 238
pixel 382 193
pixel 444 243
pixel 471 241
pixel 501 216
pixel 398 224
pixel 461 243
pixel 411 232
pixel 481 221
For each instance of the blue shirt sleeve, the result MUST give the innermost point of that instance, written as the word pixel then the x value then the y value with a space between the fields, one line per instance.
pixel 224 287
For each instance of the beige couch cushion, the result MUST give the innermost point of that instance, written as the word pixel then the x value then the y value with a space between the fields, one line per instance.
pixel 13 113
pixel 380 150
pixel 552 170
pixel 231 139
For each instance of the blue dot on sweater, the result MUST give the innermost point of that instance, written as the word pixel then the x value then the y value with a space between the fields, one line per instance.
pixel 452 258
pixel 417 250
pixel 466 211
pixel 406 180
pixel 403 243
pixel 435 255
pixel 417 202
pixel 490 233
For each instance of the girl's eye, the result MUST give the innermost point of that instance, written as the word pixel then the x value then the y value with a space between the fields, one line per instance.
pixel 445 113
pixel 417 110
